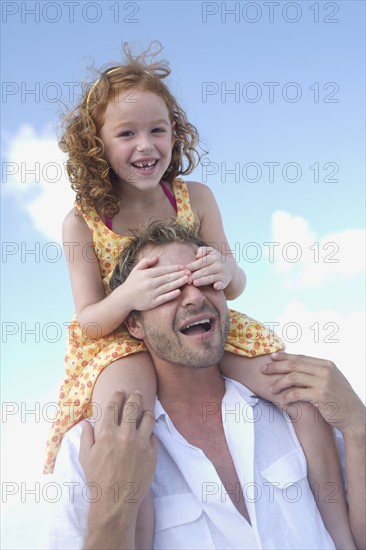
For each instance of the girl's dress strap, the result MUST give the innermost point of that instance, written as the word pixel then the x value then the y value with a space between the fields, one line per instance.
pixel 170 195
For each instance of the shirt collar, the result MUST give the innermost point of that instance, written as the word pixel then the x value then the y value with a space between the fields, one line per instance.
pixel 231 386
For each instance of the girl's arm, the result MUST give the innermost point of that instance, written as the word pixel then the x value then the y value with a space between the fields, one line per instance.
pixel 217 265
pixel 145 288
pixel 91 304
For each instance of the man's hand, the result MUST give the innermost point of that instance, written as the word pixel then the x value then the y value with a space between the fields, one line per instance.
pixel 319 382
pixel 119 469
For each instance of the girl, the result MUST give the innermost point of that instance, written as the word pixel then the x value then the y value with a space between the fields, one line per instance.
pixel 127 142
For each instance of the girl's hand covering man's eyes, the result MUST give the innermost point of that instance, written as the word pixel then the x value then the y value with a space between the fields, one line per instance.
pixel 211 268
pixel 149 286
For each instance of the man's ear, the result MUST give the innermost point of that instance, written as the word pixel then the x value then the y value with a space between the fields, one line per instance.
pixel 134 325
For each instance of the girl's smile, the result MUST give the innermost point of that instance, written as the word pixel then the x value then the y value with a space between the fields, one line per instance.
pixel 138 138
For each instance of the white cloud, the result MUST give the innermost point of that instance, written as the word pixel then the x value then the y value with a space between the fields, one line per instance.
pixel 35 175
pixel 329 335
pixel 309 261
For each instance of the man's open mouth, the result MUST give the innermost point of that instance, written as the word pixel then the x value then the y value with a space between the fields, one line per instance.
pixel 144 165
pixel 198 327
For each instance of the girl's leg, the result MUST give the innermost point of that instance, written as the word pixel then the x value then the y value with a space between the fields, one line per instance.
pixel 132 373
pixel 135 372
pixel 316 438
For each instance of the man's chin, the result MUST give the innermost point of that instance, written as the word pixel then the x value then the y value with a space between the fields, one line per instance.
pixel 203 358
pixel 196 351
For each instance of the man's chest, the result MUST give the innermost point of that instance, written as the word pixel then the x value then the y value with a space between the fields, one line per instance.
pixel 210 439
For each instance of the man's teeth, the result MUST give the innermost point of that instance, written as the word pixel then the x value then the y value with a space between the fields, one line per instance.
pixel 204 321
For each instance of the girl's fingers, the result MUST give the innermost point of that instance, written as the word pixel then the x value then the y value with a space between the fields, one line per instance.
pixel 198 264
pixel 202 262
pixel 220 285
pixel 154 279
pixel 164 288
pixel 211 280
pixel 204 251
pixel 165 283
pixel 163 298
pixel 168 272
pixel 205 272
pixel 171 278
pixel 146 262
pixel 204 281
pixel 207 269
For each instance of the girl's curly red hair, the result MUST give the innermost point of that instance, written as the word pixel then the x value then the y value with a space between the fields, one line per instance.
pixel 90 175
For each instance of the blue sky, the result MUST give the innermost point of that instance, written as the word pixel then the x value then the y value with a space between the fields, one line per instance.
pixel 280 91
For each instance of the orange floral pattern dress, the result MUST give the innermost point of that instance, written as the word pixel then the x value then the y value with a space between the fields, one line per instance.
pixel 85 358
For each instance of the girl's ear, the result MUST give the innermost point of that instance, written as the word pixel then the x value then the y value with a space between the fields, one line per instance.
pixel 134 325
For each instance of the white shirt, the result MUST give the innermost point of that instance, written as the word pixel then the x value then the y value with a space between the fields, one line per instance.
pixel 192 507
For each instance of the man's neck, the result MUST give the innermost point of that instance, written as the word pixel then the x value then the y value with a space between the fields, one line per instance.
pixel 187 389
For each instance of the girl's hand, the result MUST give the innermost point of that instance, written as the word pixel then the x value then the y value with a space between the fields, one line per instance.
pixel 148 287
pixel 211 268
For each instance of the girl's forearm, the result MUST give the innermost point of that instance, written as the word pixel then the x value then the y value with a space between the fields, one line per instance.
pixel 102 318
pixel 236 285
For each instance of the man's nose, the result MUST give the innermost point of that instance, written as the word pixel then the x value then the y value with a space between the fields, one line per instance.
pixel 191 295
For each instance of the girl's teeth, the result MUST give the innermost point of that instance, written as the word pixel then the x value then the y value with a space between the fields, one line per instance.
pixel 144 166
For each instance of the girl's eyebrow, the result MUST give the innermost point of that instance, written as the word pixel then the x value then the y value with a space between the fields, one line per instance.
pixel 161 121
pixel 128 123
pixel 120 124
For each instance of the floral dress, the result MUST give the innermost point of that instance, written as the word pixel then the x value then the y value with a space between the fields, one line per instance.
pixel 86 357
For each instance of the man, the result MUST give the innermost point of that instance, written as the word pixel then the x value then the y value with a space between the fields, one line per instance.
pixel 230 471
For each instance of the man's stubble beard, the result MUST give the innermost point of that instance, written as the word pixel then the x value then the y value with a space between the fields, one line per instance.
pixel 182 355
